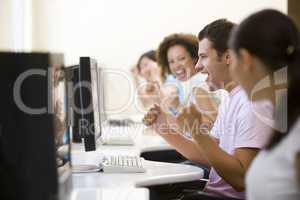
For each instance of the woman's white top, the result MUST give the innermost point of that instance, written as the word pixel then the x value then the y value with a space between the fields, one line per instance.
pixel 272 175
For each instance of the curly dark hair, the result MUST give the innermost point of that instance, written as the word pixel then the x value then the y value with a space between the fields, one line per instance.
pixel 188 41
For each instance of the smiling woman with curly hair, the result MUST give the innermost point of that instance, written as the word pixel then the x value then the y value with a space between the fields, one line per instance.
pixel 177 54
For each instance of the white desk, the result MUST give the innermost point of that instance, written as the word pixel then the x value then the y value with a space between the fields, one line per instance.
pixel 145 141
pixel 110 194
pixel 157 172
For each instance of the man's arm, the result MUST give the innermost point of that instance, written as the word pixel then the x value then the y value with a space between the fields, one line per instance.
pixel 187 147
pixel 163 124
pixel 232 168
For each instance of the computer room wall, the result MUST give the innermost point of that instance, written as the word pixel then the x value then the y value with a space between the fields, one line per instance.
pixel 15 25
pixel 6 41
pixel 116 32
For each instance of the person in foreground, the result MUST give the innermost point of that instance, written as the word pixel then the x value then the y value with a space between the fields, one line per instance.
pixel 265 46
pixel 230 143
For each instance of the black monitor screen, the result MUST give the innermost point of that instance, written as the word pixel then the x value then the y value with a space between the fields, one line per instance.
pixel 85 107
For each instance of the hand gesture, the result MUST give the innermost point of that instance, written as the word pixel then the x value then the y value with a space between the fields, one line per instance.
pixel 163 123
pixel 206 103
pixel 169 98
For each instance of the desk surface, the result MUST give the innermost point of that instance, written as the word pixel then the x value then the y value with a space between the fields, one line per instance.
pixel 145 141
pixel 110 194
pixel 157 172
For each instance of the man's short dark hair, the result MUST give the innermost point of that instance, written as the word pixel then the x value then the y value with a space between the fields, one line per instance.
pixel 218 32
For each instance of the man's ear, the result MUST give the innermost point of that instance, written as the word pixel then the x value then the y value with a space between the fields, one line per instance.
pixel 227 57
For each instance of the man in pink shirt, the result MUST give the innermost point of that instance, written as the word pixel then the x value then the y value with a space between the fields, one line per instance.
pixel 232 142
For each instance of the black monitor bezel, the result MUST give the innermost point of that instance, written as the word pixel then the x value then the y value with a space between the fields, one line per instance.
pixel 89 137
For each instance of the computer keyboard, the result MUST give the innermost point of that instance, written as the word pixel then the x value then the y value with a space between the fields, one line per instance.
pixel 123 164
pixel 118 140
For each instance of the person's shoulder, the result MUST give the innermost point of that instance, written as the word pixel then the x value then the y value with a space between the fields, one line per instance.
pixel 242 104
pixel 241 96
pixel 240 100
pixel 263 107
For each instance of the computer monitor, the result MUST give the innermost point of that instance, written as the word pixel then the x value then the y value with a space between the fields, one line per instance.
pixel 34 145
pixel 86 109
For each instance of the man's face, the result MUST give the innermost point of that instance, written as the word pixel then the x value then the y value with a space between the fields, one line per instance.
pixel 210 63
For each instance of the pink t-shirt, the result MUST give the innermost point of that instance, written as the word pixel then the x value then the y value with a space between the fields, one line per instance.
pixel 238 125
